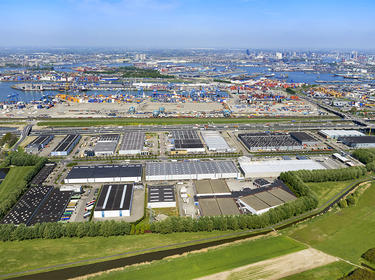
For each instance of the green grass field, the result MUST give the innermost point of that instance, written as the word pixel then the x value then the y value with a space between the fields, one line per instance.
pixel 165 121
pixel 331 271
pixel 213 261
pixel 29 254
pixel 15 176
pixel 327 190
pixel 347 233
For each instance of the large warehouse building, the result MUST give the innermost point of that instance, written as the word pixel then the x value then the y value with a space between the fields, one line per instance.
pixel 269 142
pixel 106 145
pixel 304 138
pixel 273 168
pixel 66 145
pixel 187 140
pixel 215 142
pixel 132 143
pixel 114 201
pixel 214 198
pixel 359 141
pixel 38 144
pixel 104 174
pixel 191 170
pixel 161 197
pixel 337 133
pixel 264 199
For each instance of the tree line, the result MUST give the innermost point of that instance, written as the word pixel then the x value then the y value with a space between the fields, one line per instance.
pixel 9 139
pixel 295 180
pixel 367 157
pixel 10 232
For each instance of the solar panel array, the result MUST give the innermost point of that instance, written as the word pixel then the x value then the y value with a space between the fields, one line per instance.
pixel 269 141
pixel 66 143
pixel 52 208
pixel 190 167
pixel 105 171
pixel 115 197
pixel 43 174
pixel 185 139
pixel 161 194
pixel 133 141
pixel 26 207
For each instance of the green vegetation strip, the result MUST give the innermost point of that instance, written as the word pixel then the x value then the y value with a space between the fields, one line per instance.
pixel 346 234
pixel 41 253
pixel 15 179
pixel 196 265
pixel 163 121
pixel 327 272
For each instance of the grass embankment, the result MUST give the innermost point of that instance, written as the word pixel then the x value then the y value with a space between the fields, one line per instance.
pixel 30 254
pixel 327 190
pixel 327 272
pixel 346 233
pixel 195 265
pixel 14 179
pixel 163 121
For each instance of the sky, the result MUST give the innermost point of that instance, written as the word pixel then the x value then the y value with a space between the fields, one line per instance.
pixel 272 24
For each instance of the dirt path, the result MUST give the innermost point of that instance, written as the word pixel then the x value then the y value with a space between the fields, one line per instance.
pixel 276 268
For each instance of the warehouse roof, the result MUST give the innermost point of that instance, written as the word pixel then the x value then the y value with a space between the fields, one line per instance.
pixel 132 141
pixel 340 132
pixel 257 168
pixel 358 139
pixel 105 147
pixel 109 138
pixel 40 140
pixel 302 137
pixel 215 141
pixel 211 187
pixel 190 167
pixel 105 171
pixel 115 197
pixel 66 142
pixel 161 194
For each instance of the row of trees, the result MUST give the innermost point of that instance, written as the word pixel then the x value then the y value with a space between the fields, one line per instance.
pixel 366 156
pixel 10 232
pixel 20 158
pixel 369 255
pixel 9 139
pixel 272 217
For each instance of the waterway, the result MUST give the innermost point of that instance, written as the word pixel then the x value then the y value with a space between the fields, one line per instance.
pixel 9 94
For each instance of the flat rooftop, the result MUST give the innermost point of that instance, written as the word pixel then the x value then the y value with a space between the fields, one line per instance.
pixel 161 194
pixel 39 140
pixel 105 171
pixel 115 197
pixel 211 187
pixel 190 167
pixel 65 144
pixel 132 141
pixel 257 168
pixel 218 206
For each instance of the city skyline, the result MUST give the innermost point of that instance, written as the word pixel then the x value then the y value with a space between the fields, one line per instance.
pixel 187 24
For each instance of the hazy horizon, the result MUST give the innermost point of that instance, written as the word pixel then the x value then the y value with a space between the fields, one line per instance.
pixel 188 24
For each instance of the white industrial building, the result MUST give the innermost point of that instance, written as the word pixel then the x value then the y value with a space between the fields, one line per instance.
pixel 191 170
pixel 132 143
pixel 337 133
pixel 106 145
pixel 104 174
pixel 273 168
pixel 161 197
pixel 215 142
pixel 114 201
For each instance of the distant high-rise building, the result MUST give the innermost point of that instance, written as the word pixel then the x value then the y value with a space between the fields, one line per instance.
pixel 247 52
pixel 279 55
